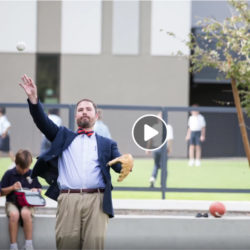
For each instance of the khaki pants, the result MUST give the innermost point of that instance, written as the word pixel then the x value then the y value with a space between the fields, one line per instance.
pixel 80 221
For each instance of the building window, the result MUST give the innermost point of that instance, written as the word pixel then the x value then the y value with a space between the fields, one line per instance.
pixel 47 77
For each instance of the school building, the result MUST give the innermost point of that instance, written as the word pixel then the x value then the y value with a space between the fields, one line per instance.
pixel 115 53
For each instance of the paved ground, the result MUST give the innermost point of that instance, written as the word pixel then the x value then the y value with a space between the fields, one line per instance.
pixel 153 224
pixel 157 207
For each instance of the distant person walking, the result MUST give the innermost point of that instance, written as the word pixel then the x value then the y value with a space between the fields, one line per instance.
pixel 157 154
pixel 4 134
pixel 53 115
pixel 100 127
pixel 196 134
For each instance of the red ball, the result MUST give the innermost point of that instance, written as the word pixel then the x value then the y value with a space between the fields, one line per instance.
pixel 217 209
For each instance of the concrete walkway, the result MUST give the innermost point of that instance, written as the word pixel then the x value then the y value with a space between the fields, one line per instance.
pixel 233 206
pixel 156 207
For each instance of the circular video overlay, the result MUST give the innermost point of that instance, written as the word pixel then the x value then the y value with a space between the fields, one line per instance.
pixel 149 132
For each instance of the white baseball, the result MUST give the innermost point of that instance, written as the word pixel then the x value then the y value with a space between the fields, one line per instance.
pixel 21 46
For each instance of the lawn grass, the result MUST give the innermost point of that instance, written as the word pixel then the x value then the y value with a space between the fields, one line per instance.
pixel 216 173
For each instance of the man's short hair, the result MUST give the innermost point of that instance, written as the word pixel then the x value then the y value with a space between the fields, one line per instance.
pixel 2 110
pixel 87 100
pixel 23 158
pixel 195 105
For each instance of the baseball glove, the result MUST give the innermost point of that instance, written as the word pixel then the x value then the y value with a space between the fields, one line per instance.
pixel 127 163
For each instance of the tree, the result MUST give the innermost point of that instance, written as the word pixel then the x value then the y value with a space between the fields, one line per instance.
pixel 225 46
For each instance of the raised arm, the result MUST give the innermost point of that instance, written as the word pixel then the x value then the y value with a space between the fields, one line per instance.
pixel 29 88
pixel 46 126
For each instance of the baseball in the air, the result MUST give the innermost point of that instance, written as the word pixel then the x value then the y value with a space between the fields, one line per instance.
pixel 21 46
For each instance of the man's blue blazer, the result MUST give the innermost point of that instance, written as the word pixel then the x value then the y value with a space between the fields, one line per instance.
pixel 61 137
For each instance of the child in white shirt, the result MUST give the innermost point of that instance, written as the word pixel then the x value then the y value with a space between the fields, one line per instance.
pixel 195 135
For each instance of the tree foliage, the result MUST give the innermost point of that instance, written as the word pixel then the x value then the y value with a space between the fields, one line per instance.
pixel 225 46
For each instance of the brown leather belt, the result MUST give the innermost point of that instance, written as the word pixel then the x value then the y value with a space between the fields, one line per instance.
pixel 89 190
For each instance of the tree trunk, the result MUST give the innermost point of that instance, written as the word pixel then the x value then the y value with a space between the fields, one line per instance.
pixel 241 119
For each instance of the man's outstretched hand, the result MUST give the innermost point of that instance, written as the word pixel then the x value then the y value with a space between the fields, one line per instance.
pixel 127 163
pixel 30 88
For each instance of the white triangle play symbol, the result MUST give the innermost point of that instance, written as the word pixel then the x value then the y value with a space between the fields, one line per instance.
pixel 149 132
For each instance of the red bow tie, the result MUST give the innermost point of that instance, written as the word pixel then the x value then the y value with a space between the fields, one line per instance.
pixel 81 131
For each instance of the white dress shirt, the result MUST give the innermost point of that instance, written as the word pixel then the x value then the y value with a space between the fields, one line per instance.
pixel 79 167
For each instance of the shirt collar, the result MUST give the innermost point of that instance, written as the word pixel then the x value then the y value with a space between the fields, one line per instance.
pixel 14 171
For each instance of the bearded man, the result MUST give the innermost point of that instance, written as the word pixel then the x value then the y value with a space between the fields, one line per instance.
pixel 77 168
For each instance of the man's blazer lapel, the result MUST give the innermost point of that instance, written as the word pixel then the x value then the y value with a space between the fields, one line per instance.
pixel 100 147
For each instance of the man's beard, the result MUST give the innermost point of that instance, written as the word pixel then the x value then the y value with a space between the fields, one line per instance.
pixel 83 123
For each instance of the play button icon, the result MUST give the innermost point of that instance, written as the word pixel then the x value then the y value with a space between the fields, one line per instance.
pixel 149 132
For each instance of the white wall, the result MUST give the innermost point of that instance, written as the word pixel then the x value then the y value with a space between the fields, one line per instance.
pixel 150 232
pixel 18 21
pixel 81 27
pixel 170 16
